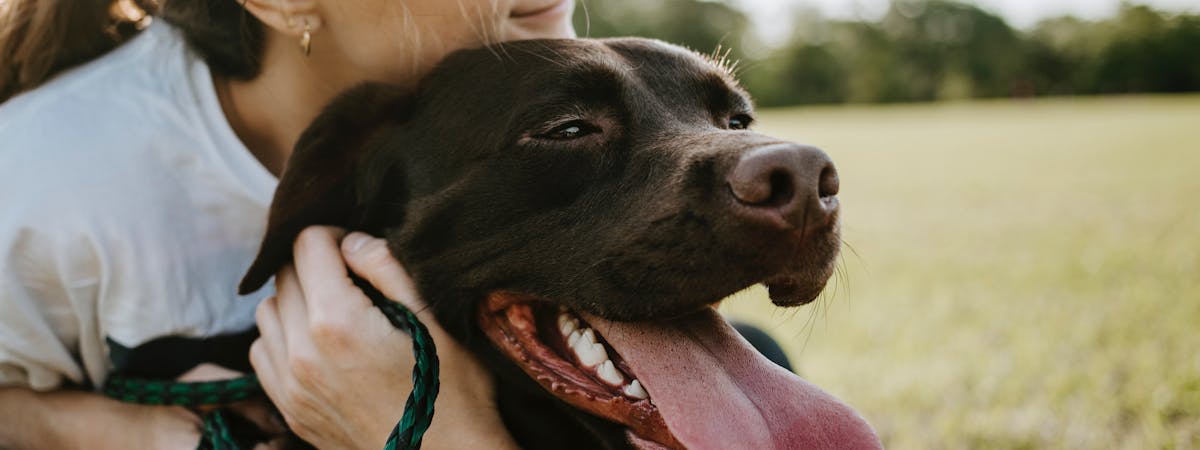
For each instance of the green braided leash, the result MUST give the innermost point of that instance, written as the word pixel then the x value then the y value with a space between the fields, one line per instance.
pixel 215 431
pixel 418 409
pixel 159 392
pixel 215 435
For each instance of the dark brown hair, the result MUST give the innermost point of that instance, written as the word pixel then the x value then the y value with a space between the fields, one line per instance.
pixel 41 38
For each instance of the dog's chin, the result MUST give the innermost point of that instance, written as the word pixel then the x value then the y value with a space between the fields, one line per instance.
pixel 796 289
pixel 687 382
pixel 803 283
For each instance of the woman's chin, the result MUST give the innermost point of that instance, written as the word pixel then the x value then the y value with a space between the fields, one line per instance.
pixel 550 23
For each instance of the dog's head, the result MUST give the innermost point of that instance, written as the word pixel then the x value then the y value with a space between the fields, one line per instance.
pixel 572 210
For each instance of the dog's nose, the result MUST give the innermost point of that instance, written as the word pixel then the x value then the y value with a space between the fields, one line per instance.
pixel 789 185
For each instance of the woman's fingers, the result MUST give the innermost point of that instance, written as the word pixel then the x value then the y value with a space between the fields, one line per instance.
pixel 261 359
pixel 273 444
pixel 326 355
pixel 335 366
pixel 291 303
pixel 330 297
pixel 370 258
pixel 257 411
pixel 208 372
pixel 269 353
pixel 261 414
pixel 318 263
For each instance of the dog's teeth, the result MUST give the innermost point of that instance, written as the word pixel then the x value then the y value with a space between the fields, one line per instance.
pixel 609 373
pixel 590 352
pixel 573 338
pixel 634 389
pixel 590 355
pixel 567 324
pixel 568 327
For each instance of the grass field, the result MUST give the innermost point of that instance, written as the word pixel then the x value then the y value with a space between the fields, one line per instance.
pixel 1024 274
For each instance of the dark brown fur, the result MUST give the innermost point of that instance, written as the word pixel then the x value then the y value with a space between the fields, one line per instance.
pixel 631 223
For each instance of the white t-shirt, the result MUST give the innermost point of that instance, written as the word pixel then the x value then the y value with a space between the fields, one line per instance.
pixel 129 210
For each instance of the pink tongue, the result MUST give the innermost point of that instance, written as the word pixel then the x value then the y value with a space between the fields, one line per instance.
pixel 716 392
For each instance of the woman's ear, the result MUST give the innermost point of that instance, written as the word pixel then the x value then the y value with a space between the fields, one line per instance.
pixel 289 17
pixel 322 183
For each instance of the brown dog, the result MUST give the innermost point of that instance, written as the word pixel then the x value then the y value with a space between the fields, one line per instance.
pixel 572 209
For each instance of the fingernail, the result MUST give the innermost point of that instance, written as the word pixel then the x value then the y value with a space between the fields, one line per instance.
pixel 355 241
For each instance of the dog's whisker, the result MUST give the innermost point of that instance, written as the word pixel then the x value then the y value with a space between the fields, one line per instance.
pixel 807 328
pixel 585 270
pixel 826 305
pixel 844 275
pixel 857 255
pixel 746 67
pixel 719 57
pixel 841 277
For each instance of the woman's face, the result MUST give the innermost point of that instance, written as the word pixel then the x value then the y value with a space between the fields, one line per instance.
pixel 399 40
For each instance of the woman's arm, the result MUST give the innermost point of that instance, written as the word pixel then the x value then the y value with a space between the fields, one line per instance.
pixel 40 338
pixel 77 419
pixel 337 369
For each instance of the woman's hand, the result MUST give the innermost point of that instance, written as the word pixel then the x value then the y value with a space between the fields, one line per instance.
pixel 171 427
pixel 337 369
pixel 79 419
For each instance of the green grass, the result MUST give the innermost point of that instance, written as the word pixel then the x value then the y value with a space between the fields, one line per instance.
pixel 1024 274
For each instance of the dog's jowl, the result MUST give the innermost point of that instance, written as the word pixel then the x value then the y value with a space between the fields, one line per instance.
pixel 572 210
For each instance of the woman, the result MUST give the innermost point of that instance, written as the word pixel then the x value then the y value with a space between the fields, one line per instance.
pixel 136 167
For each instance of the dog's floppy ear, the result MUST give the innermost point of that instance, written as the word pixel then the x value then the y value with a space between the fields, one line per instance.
pixel 319 186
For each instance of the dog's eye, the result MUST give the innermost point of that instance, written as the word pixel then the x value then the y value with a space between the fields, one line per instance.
pixel 740 122
pixel 570 130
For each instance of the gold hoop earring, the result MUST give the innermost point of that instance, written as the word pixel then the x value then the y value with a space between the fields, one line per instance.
pixel 306 39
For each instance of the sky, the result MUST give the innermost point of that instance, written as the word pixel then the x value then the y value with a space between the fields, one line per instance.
pixel 1018 13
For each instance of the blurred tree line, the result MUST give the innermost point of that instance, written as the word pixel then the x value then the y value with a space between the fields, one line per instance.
pixel 924 50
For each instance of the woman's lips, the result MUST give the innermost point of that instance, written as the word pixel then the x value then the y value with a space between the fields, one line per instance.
pixel 543 11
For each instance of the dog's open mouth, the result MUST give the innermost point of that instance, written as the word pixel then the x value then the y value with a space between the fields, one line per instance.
pixel 691 382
